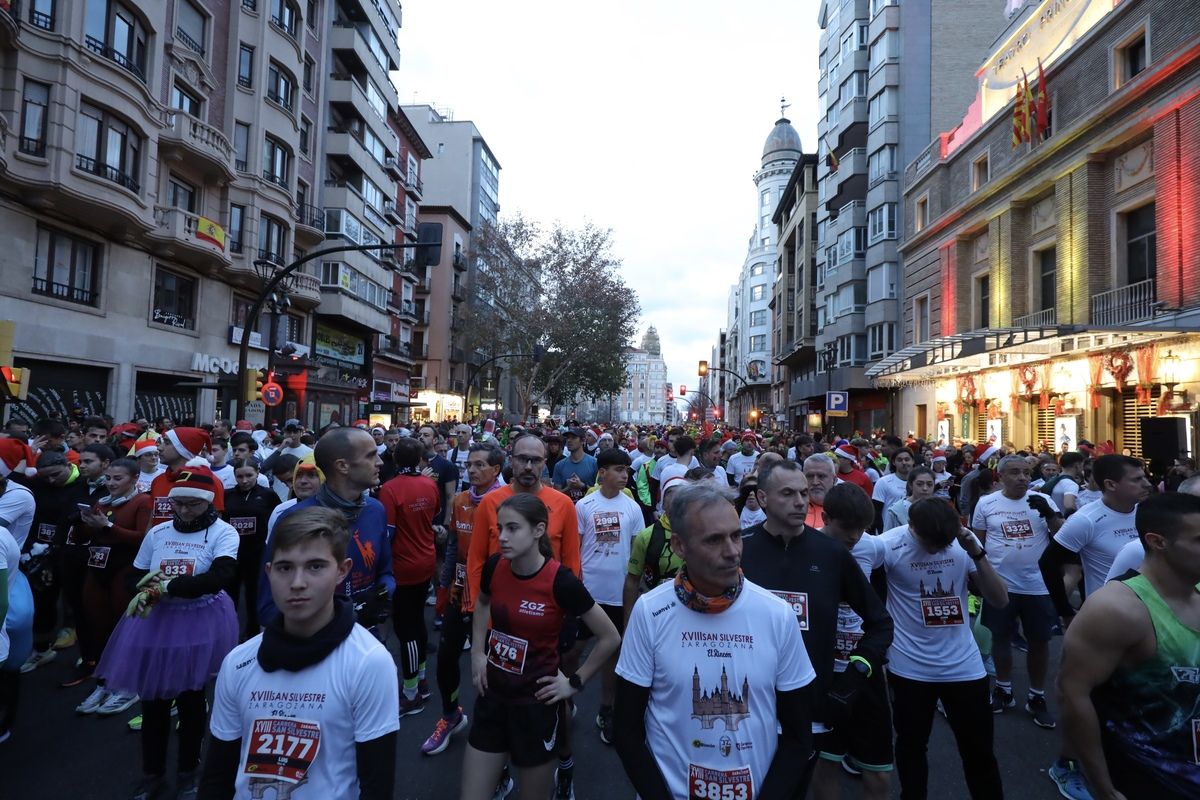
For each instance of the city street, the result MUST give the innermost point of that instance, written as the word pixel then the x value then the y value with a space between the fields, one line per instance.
pixel 56 754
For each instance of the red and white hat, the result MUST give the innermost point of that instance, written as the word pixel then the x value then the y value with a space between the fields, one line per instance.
pixel 938 455
pixel 14 453
pixel 197 481
pixel 749 436
pixel 145 447
pixel 848 451
pixel 189 442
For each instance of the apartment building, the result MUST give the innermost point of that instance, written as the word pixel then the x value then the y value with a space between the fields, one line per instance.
pixel 1051 289
pixel 643 399
pixel 891 76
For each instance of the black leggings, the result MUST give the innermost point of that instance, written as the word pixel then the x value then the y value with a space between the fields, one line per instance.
pixel 249 568
pixel 456 627
pixel 408 620
pixel 156 732
pixel 969 712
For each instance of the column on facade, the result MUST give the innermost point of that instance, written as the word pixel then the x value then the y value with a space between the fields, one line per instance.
pixel 964 258
pixel 1177 204
pixel 1084 262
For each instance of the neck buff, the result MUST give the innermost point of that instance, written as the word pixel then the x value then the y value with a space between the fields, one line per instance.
pixel 475 498
pixel 350 508
pixel 115 502
pixel 691 598
pixel 199 523
pixel 282 651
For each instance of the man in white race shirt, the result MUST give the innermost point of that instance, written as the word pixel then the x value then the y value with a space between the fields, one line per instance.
pixel 1132 554
pixel 609 519
pixel 1065 490
pixel 310 707
pixel 894 485
pixel 713 671
pixel 934 655
pixel 744 460
pixel 1015 525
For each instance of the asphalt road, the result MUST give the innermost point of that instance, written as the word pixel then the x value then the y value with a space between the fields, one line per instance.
pixel 56 754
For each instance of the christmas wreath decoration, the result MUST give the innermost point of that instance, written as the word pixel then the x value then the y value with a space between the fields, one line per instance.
pixel 1119 365
pixel 1027 374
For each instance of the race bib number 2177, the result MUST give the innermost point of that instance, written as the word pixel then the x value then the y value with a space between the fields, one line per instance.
pixel 282 748
pixel 719 784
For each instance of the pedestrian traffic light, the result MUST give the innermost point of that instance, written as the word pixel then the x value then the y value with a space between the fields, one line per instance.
pixel 703 369
pixel 682 390
pixel 253 384
pixel 16 383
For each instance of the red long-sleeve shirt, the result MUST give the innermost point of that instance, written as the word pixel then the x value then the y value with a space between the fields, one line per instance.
pixel 411 503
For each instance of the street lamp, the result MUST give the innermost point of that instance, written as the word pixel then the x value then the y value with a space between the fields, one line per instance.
pixel 754 418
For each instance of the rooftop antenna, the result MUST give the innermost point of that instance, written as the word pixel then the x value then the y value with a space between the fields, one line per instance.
pixel 784 105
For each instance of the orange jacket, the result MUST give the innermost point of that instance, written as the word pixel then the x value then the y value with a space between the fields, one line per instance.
pixel 563 532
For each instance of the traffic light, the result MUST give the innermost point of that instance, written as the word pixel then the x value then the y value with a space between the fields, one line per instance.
pixel 16 382
pixel 702 370
pixel 253 384
pixel 682 390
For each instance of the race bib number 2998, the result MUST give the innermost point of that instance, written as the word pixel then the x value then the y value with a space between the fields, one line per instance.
pixel 719 784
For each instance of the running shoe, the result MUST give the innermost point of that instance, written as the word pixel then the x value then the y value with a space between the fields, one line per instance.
pixel 38 659
pixel 135 723
pixel 423 689
pixel 1069 780
pixel 150 787
pixel 604 721
pixel 1001 700
pixel 467 644
pixel 66 638
pixel 564 784
pixel 1035 704
pixel 414 706
pixel 446 727
pixel 117 703
pixel 80 674
pixel 505 787
pixel 93 701
pixel 187 786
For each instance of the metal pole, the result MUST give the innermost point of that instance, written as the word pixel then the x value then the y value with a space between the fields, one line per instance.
pixel 271 355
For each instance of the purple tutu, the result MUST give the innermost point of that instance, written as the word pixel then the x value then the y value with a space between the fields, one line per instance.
pixel 175 649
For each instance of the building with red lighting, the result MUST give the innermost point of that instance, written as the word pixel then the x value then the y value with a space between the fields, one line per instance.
pixel 1050 289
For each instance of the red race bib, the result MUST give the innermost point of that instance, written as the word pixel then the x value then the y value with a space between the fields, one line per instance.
pixel 1017 529
pixel 175 567
pixel 608 527
pixel 799 603
pixel 939 611
pixel 843 647
pixel 163 508
pixel 719 784
pixel 245 526
pixel 282 748
pixel 507 652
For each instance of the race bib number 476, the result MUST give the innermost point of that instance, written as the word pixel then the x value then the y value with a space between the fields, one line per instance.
pixel 719 784
pixel 507 652
pixel 282 748
pixel 939 611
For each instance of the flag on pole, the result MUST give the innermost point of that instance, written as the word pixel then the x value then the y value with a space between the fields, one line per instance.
pixel 209 231
pixel 1043 105
pixel 831 159
pixel 1019 117
pixel 1030 109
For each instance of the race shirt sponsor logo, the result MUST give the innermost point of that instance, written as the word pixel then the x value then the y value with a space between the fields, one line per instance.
pixel 507 652
pixel 719 784
pixel 282 748
pixel 799 603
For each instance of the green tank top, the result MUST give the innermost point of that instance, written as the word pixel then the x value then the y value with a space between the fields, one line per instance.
pixel 1150 712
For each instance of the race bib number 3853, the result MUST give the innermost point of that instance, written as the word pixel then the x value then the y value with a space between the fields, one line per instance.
pixel 719 784
pixel 282 748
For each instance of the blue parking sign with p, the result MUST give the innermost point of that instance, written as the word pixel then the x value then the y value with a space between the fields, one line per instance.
pixel 837 404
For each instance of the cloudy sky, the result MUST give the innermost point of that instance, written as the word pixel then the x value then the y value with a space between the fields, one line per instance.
pixel 644 116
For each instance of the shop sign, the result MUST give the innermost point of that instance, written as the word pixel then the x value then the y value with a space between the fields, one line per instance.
pixel 339 349
pixel 256 341
pixel 255 412
pixel 215 365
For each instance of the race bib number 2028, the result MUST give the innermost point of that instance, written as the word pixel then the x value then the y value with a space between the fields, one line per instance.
pixel 719 784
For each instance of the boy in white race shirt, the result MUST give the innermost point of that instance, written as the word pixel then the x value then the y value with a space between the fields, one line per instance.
pixel 310 707
pixel 933 655
pixel 713 672
pixel 609 519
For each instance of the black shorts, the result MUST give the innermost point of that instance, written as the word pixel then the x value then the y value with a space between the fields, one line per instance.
pixel 528 732
pixel 867 739
pixel 615 613
pixel 1036 612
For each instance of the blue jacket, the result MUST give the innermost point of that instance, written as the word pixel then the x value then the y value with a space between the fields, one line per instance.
pixel 370 553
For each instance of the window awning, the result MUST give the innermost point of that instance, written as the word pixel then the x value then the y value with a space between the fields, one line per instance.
pixel 973 351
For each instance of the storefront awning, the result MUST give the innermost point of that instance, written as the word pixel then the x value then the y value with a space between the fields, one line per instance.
pixel 972 351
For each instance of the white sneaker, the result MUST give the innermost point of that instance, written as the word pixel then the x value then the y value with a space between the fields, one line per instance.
pixel 94 700
pixel 38 659
pixel 467 644
pixel 116 703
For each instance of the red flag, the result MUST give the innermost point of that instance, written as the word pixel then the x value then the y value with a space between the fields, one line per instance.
pixel 1019 117
pixel 1043 104
pixel 1029 109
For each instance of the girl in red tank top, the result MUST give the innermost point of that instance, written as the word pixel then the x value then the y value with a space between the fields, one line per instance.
pixel 525 595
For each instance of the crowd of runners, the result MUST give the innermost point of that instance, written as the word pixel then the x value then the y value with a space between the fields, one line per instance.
pixel 759 613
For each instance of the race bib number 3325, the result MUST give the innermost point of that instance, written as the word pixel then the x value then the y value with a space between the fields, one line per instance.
pixel 719 784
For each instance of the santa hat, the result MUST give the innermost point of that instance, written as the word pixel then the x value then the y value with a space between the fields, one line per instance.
pixel 986 454
pixel 144 447
pixel 13 453
pixel 243 425
pixel 127 429
pixel 848 451
pixel 607 435
pixel 189 442
pixel 938 455
pixel 749 436
pixel 194 481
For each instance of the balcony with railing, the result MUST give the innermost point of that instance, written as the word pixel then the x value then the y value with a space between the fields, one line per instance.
pixel 310 223
pixel 107 172
pixel 424 282
pixel 63 291
pixel 196 239
pixel 193 138
pixel 305 287
pixel 407 309
pixel 457 355
pixel 184 38
pixel 458 290
pixel 414 186
pixel 120 59
pixel 1124 305
pixel 396 348
pixel 1038 319
pixel 41 19
pixel 459 260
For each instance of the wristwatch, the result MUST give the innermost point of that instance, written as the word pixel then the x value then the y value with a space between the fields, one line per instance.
pixel 978 555
pixel 576 682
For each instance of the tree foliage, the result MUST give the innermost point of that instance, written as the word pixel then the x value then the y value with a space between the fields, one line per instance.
pixel 556 292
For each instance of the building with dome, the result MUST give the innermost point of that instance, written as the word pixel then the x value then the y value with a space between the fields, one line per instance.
pixel 748 346
pixel 644 399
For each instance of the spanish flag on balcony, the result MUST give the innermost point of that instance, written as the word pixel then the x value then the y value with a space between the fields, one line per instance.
pixel 211 232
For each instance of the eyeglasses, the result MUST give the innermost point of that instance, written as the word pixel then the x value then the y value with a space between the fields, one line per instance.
pixel 188 504
pixel 529 460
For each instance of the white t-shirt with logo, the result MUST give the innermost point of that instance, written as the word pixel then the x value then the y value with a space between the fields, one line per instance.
pixel 712 679
pixel 606 531
pixel 1097 534
pixel 176 554
pixel 927 600
pixel 890 488
pixel 1016 538
pixel 1065 486
pixel 868 553
pixel 739 464
pixel 144 479
pixel 298 729
pixel 17 508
